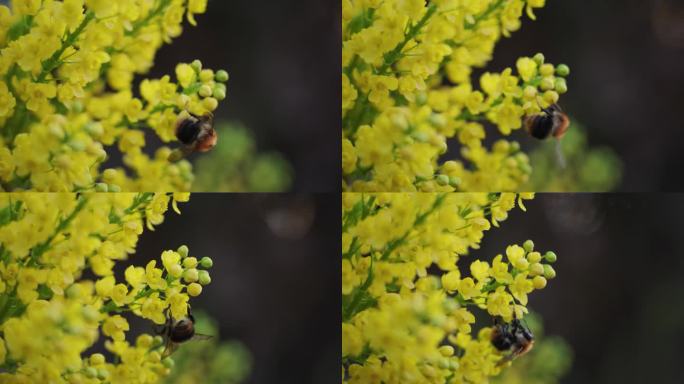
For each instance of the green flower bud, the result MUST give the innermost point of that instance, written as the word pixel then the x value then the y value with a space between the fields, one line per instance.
pixel 442 180
pixel 77 106
pixel 219 94
pixel 113 188
pixel 97 359
pixel 168 362
pixel 550 257
pixel 521 264
pixel 206 262
pixel 90 372
pixel 158 340
pixel 539 58
pixel 539 282
pixel 221 76
pixel 536 269
pixel 561 86
pixel 204 278
pixel 101 187
pixel 446 350
pixel 534 257
pixel 206 75
pixel 454 181
pixel 194 289
pixel 102 374
pixel 94 129
pixel 528 245
pixel 190 262
pixel 549 272
pixel 176 270
pixel 183 250
pixel 547 83
pixel 562 70
pixel 196 65
pixel 515 147
pixel 77 145
pixel 546 70
pixel 551 97
pixel 205 90
pixel 190 275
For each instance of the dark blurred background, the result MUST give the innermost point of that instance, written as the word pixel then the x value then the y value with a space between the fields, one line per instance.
pixel 275 280
pixel 617 297
pixel 625 84
pixel 283 58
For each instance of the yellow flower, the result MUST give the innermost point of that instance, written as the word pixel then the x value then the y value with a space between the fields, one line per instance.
pixel 153 276
pixel 178 302
pixel 114 327
pixel 521 287
pixel 185 75
pixel 153 308
pixel 135 276
pixel 119 295
pixel 194 7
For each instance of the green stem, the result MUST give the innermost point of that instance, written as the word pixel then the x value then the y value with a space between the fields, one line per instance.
pixel 41 248
pixel 420 219
pixel 55 60
pixel 154 13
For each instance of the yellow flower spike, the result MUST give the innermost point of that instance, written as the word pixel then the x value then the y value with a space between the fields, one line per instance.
pixel 416 60
pixel 52 240
pixel 405 307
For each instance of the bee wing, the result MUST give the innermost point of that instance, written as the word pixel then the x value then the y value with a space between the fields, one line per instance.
pixel 200 337
pixel 171 347
pixel 506 359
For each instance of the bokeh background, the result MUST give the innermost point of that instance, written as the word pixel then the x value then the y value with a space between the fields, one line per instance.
pixel 275 279
pixel 283 58
pixel 625 84
pixel 617 296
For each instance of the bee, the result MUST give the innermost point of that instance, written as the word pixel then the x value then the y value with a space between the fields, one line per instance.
pixel 196 133
pixel 551 122
pixel 177 331
pixel 513 337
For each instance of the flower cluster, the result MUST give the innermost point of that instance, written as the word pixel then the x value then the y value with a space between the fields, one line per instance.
pixel 408 307
pixel 51 313
pixel 407 91
pixel 66 98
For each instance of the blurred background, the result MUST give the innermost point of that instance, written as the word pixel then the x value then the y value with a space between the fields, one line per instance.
pixel 625 58
pixel 616 300
pixel 283 58
pixel 273 297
